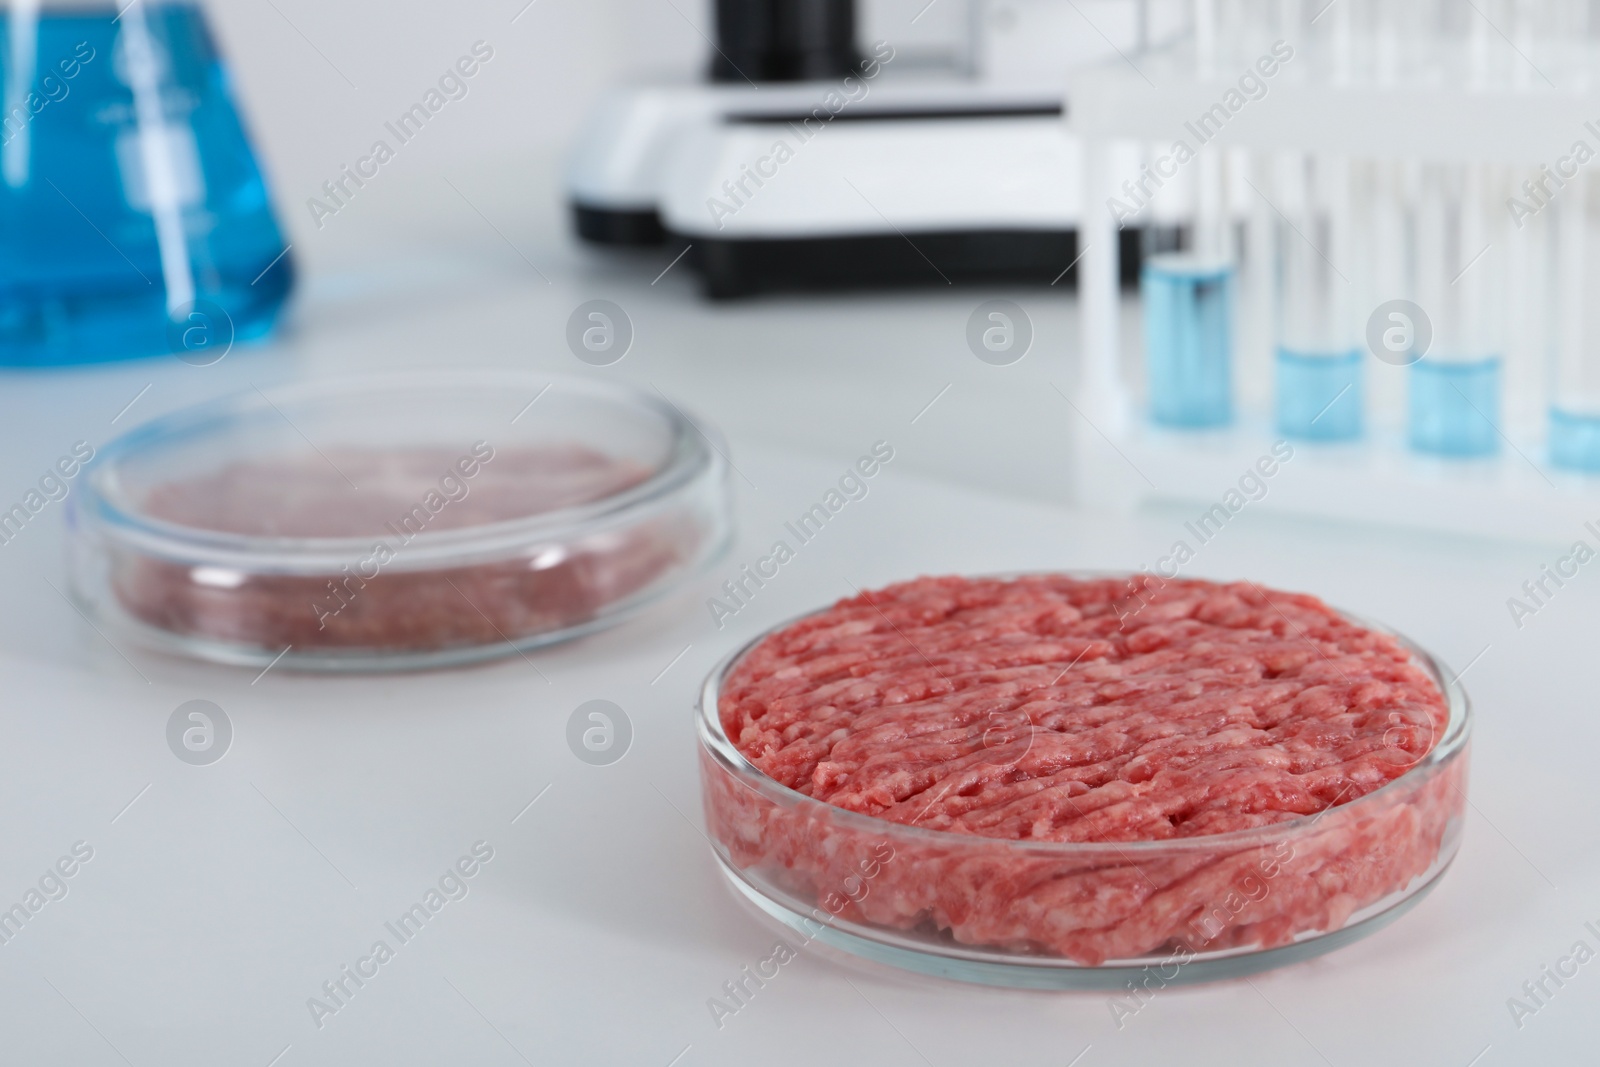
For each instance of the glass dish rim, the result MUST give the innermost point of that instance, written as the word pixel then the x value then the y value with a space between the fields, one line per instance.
pixel 693 456
pixel 714 742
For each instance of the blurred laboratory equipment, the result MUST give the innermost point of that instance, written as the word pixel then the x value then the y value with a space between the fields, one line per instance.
pixel 785 40
pixel 819 155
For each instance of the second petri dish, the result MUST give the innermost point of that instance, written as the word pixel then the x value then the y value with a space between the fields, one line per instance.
pixel 399 522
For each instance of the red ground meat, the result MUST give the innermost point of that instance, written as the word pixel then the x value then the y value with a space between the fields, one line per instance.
pixel 398 607
pixel 361 492
pixel 1052 709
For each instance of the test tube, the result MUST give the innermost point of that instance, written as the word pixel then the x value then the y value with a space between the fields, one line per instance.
pixel 1386 23
pixel 1575 401
pixel 1535 28
pixel 1381 254
pixel 1453 402
pixel 1342 46
pixel 1244 29
pixel 1205 38
pixel 1319 388
pixel 1319 31
pixel 1575 31
pixel 1188 301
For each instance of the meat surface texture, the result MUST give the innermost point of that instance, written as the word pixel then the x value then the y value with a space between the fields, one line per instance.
pixel 378 601
pixel 1115 714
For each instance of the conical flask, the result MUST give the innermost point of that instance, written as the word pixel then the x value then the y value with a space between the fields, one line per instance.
pixel 133 216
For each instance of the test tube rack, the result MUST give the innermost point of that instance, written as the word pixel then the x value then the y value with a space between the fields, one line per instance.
pixel 1153 99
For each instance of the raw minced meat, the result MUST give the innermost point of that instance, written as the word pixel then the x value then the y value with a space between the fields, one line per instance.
pixel 1096 711
pixel 404 493
pixel 1036 709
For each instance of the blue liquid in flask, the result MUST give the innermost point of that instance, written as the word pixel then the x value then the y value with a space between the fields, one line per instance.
pixel 1319 395
pixel 1454 407
pixel 1188 337
pixel 133 217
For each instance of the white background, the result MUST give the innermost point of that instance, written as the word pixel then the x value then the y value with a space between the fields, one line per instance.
pixel 223 897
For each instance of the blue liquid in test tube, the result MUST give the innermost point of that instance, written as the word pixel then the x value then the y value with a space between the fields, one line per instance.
pixel 1188 327
pixel 1319 395
pixel 1574 236
pixel 1575 440
pixel 1455 407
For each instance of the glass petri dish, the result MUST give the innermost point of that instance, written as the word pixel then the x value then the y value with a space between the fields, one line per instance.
pixel 905 895
pixel 405 521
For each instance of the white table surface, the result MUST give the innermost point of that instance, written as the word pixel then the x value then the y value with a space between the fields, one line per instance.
pixel 226 895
